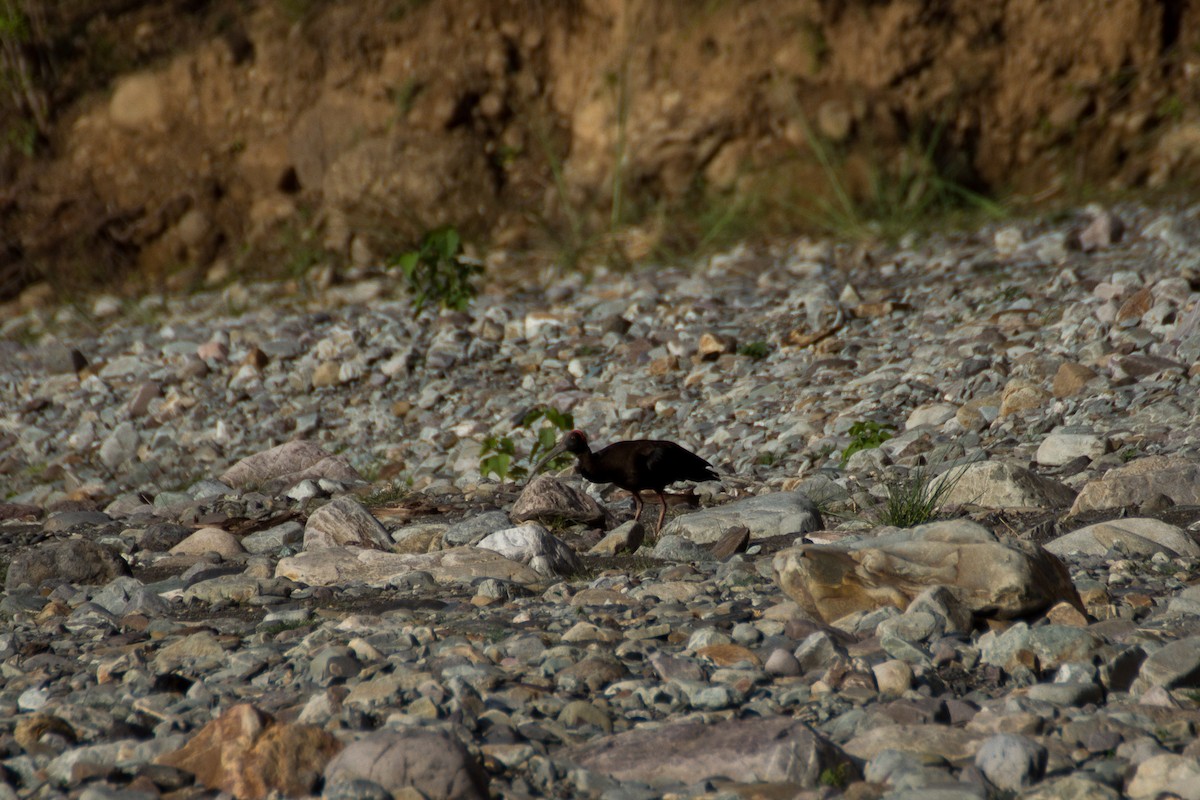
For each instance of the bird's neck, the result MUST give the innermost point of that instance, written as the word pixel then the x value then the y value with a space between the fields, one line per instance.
pixel 585 461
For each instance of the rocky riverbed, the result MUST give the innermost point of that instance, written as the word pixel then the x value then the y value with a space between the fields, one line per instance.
pixel 249 549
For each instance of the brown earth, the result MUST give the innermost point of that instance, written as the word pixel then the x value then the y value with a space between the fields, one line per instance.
pixel 202 137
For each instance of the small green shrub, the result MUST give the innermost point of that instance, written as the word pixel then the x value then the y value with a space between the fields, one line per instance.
pixel 496 458
pixel 755 350
pixel 865 435
pixel 498 455
pixel 1171 108
pixel 436 271
pixel 835 777
pixel 555 423
pixel 274 629
pixel 22 136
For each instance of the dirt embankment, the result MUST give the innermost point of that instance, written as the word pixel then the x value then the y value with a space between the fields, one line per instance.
pixel 227 130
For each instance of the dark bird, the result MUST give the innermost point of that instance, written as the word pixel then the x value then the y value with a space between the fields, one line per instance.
pixel 634 466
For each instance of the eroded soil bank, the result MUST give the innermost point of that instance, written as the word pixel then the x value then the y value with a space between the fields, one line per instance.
pixel 172 138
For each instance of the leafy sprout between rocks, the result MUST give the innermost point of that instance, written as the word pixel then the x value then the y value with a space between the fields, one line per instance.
pixel 755 350
pixel 865 435
pixel 498 455
pixel 437 272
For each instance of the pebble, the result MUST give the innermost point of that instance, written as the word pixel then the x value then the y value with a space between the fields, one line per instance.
pixel 269 532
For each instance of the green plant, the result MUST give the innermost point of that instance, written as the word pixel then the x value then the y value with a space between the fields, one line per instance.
pixel 498 454
pixel 1171 108
pixel 586 234
pixel 276 628
pixel 899 196
pixel 574 241
pixel 22 135
pixel 865 435
pixel 436 271
pixel 301 250
pixel 555 422
pixel 401 9
pixel 619 83
pixel 1009 293
pixel 496 458
pixel 405 96
pixel 298 10
pixel 835 777
pixel 917 498
pixel 755 350
pixel 22 33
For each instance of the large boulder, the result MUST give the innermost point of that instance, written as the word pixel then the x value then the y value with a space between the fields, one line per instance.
pixel 1001 484
pixel 993 578
pixel 1142 480
pixel 1136 536
pixel 345 522
pixel 548 499
pixel 535 546
pixel 431 761
pixel 247 753
pixel 80 561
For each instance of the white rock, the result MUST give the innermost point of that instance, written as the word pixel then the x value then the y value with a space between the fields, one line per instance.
pixel 1062 446
pixel 1168 773
pixel 931 414
pixel 120 446
pixel 530 541
pixel 1008 240
pixel 33 699
pixel 893 677
pixel 1000 484
pixel 210 540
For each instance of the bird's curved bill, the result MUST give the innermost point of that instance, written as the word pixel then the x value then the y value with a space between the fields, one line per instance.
pixel 555 451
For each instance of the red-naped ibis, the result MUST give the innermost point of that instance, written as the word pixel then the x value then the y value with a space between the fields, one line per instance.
pixel 634 466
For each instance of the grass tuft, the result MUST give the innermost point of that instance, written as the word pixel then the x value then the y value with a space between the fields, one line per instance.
pixel 917 498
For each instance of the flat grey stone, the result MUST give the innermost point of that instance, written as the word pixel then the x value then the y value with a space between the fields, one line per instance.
pixel 1173 666
pixel 1134 536
pixel 768 515
pixel 771 750
pixel 474 528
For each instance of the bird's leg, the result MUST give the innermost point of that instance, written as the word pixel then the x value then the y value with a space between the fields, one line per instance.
pixel 637 505
pixel 662 512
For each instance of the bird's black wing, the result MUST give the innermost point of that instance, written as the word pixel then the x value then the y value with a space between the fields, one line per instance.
pixel 677 462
